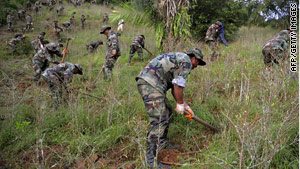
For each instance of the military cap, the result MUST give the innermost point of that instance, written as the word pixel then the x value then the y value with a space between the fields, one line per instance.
pixel 219 23
pixel 198 54
pixel 43 33
pixel 143 36
pixel 79 67
pixel 103 29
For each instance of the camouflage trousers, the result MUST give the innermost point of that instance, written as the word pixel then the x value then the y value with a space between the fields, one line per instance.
pixel 213 50
pixel 273 56
pixel 39 67
pixel 27 27
pixel 133 49
pixel 159 110
pixel 109 65
pixel 9 26
pixel 55 86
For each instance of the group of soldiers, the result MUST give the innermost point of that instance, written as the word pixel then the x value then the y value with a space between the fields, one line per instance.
pixel 164 72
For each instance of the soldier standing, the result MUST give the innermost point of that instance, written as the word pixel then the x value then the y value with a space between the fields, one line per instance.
pixel 82 21
pixel 58 76
pixel 211 39
pixel 28 23
pixel 60 2
pixel 59 10
pixel 276 49
pixel 42 58
pixel 13 43
pixel 167 71
pixel 72 18
pixel 91 47
pixel 28 5
pixel 37 6
pixel 10 20
pixel 137 45
pixel 113 51
pixel 105 18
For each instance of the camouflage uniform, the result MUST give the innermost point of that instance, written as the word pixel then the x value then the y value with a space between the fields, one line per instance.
pixel 21 14
pixel 51 4
pixel 59 10
pixel 137 45
pixel 91 47
pixel 82 21
pixel 13 43
pixel 105 18
pixel 37 6
pixel 153 83
pixel 112 43
pixel 9 20
pixel 28 5
pixel 211 40
pixel 57 29
pixel 66 25
pixel 28 23
pixel 276 49
pixel 60 2
pixel 42 58
pixel 58 76
pixel 72 18
pixel 36 44
pixel 120 25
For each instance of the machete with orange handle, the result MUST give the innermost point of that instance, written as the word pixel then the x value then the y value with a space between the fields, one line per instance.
pixel 65 51
pixel 190 115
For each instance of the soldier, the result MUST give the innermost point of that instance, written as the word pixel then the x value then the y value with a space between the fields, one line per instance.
pixel 60 2
pixel 276 49
pixel 105 18
pixel 105 3
pixel 211 39
pixel 91 47
pixel 51 4
pixel 72 18
pixel 137 45
pixel 42 58
pixel 167 71
pixel 221 34
pixel 59 10
pixel 93 1
pixel 39 41
pixel 21 14
pixel 28 23
pixel 66 25
pixel 28 5
pixel 58 76
pixel 10 20
pixel 14 42
pixel 120 25
pixel 57 29
pixel 82 21
pixel 37 6
pixel 113 51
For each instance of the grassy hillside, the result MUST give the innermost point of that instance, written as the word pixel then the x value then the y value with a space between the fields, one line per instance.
pixel 106 126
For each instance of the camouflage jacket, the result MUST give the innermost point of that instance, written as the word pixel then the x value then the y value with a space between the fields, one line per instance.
pixel 40 38
pixel 15 41
pixel 164 70
pixel 28 19
pixel 82 19
pixel 138 41
pixel 112 41
pixel 9 18
pixel 276 43
pixel 211 33
pixel 63 71
pixel 21 12
pixel 47 53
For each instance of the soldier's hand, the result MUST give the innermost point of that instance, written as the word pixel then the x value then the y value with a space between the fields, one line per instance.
pixel 114 52
pixel 189 110
pixel 179 108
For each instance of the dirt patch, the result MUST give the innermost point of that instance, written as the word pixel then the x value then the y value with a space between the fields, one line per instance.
pixel 168 156
pixel 23 86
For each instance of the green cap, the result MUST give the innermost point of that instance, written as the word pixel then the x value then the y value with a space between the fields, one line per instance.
pixel 198 54
pixel 79 67
pixel 104 28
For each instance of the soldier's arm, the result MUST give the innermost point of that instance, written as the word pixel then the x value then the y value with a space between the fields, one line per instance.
pixel 114 45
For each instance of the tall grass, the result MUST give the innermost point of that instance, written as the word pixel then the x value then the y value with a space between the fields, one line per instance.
pixel 256 109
